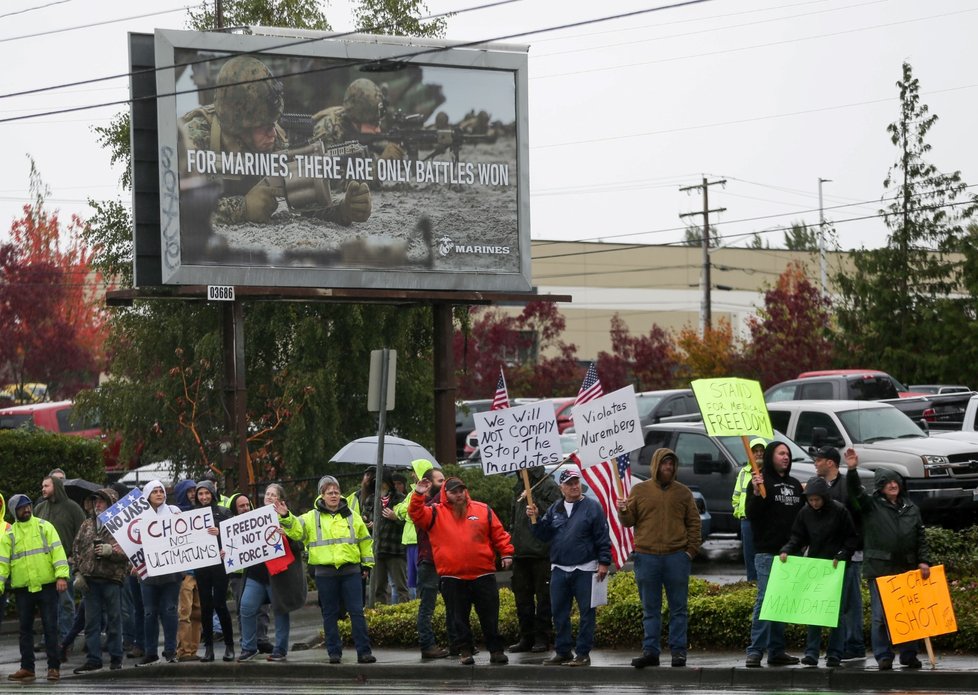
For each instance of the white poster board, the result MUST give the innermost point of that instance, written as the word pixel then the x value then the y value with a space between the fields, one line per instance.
pixel 122 519
pixel 607 427
pixel 179 542
pixel 251 538
pixel 512 439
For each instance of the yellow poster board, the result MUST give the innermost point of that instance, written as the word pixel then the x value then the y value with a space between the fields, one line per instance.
pixel 733 407
pixel 916 607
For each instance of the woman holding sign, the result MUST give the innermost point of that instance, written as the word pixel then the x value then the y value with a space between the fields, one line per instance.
pixel 212 581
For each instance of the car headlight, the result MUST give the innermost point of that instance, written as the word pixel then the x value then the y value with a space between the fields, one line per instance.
pixel 936 465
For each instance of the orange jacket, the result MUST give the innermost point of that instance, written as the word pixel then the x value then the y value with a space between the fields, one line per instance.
pixel 463 548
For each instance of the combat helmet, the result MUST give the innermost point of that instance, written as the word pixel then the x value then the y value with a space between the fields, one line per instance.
pixel 245 97
pixel 362 101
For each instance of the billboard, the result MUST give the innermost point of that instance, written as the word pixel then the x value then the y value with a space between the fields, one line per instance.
pixel 361 161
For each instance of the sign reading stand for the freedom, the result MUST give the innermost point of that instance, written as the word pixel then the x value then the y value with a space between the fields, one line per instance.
pixel 251 538
pixel 512 439
pixel 122 520
pixel 732 407
pixel 804 591
pixel 179 542
pixel 916 607
pixel 607 427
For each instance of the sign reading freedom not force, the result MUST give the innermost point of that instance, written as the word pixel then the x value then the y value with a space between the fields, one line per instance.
pixel 179 542
pixel 916 607
pixel 512 439
pixel 804 591
pixel 608 427
pixel 251 538
pixel 732 407
pixel 122 520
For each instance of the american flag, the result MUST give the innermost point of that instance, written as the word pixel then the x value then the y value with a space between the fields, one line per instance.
pixel 500 399
pixel 601 479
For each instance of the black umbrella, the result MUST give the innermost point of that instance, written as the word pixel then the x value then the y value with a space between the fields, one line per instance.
pixel 80 489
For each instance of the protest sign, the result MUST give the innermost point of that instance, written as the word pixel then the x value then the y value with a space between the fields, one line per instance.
pixel 122 520
pixel 607 427
pixel 512 439
pixel 179 542
pixel 804 591
pixel 916 607
pixel 251 538
pixel 732 407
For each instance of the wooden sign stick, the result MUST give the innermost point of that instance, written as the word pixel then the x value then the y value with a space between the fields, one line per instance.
pixel 528 492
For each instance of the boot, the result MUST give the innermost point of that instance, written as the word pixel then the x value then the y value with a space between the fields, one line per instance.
pixel 228 652
pixel 524 645
pixel 208 653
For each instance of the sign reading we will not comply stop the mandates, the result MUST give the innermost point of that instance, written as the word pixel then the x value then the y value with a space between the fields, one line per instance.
pixel 511 439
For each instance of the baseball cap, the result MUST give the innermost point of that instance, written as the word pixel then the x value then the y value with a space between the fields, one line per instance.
pixel 569 473
pixel 830 453
pixel 453 484
pixel 757 441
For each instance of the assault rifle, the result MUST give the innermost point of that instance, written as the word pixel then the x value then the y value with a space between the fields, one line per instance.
pixel 407 131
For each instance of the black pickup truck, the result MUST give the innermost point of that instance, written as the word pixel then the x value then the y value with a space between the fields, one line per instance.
pixel 944 411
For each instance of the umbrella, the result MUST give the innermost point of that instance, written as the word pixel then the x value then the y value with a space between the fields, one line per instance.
pixel 80 489
pixel 398 453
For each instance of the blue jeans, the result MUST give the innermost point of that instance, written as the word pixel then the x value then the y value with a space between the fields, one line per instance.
pixel 652 573
pixel 103 601
pixel 66 609
pixel 428 592
pixel 566 587
pixel 765 635
pixel 252 597
pixel 160 606
pixel 46 601
pixel 882 647
pixel 348 589
pixel 837 638
pixel 852 607
pixel 747 540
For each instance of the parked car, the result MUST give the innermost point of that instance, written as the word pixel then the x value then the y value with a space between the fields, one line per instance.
pixel 465 421
pixel 856 385
pixel 711 464
pixel 667 405
pixel 940 475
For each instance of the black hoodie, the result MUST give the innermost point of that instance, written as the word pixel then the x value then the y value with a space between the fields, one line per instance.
pixel 771 517
pixel 828 532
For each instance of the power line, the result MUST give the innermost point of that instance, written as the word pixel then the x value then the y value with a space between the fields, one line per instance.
pixel 31 9
pixel 344 65
pixel 97 24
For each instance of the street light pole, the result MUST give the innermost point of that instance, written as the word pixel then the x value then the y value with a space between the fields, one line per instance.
pixel 821 234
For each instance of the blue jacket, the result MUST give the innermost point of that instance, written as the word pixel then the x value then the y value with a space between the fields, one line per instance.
pixel 582 537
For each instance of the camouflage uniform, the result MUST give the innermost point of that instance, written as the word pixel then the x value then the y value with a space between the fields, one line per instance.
pixel 361 104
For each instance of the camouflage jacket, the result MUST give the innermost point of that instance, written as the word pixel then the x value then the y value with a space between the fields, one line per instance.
pixel 115 567
pixel 333 127
pixel 203 129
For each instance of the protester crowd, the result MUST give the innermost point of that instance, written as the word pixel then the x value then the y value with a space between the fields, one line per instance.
pixel 432 539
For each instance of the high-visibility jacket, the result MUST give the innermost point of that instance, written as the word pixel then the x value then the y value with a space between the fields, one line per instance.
pixel 31 554
pixel 332 538
pixel 739 499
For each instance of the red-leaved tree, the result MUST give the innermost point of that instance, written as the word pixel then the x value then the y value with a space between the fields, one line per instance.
pixel 792 333
pixel 714 354
pixel 649 362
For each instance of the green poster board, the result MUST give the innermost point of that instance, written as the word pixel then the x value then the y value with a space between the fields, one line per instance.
pixel 804 591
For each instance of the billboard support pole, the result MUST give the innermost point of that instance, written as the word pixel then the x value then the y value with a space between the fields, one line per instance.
pixel 235 393
pixel 444 383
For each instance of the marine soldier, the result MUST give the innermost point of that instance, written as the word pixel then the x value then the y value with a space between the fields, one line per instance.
pixel 361 113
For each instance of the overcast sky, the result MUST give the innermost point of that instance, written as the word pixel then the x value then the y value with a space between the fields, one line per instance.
pixel 770 95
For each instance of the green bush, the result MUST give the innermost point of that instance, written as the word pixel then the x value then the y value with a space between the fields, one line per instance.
pixel 957 550
pixel 28 455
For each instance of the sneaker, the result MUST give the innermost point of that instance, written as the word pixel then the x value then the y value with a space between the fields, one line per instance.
pixel 247 655
pixel 115 665
pixel 170 659
pixel 54 674
pixel 498 658
pixel 912 662
pixel 465 658
pixel 275 656
pixel 885 664
pixel 265 647
pixel 782 660
pixel 149 660
pixel 645 660
pixel 579 660
pixel 367 659
pixel 524 645
pixel 539 647
pixel 88 666
pixel 679 661
pixel 136 653
pixel 558 659
pixel 335 658
pixel 753 661
pixel 808 660
pixel 22 675
pixel 833 662
pixel 434 653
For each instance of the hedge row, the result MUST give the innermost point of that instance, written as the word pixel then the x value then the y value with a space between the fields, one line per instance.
pixel 28 455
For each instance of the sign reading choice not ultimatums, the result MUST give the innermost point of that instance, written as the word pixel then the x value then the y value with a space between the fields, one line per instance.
pixel 607 427
pixel 179 542
pixel 512 439
pixel 732 407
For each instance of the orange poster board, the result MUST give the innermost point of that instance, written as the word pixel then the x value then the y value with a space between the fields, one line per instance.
pixel 916 607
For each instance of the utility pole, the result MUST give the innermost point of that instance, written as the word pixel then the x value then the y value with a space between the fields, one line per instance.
pixel 705 311
pixel 821 234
